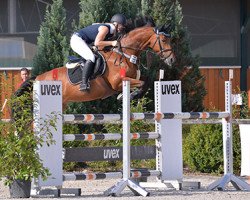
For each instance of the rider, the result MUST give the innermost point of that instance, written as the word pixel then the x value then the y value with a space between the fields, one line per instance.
pixel 97 33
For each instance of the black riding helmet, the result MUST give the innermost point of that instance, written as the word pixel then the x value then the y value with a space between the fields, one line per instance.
pixel 119 18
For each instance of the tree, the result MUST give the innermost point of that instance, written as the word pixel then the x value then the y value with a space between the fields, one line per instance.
pixel 129 8
pixel 103 10
pixel 146 7
pixel 186 66
pixel 95 11
pixel 52 43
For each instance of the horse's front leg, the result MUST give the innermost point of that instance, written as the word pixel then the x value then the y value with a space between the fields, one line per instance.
pixel 137 94
pixel 141 91
pixel 134 82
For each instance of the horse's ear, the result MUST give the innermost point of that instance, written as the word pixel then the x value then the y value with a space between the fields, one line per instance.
pixel 161 28
pixel 156 30
pixel 149 21
pixel 167 27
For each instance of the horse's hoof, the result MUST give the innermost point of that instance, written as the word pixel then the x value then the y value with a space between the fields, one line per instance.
pixel 119 97
pixel 133 95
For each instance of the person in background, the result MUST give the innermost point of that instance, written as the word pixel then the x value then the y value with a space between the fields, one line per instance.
pixel 24 73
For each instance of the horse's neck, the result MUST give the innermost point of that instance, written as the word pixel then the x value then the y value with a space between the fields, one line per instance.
pixel 137 39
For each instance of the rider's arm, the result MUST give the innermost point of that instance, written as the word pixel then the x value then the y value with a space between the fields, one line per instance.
pixel 99 40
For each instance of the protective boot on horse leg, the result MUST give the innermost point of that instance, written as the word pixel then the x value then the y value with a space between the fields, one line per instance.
pixel 87 71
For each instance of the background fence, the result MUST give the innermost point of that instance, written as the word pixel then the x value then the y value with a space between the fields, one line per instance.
pixel 215 77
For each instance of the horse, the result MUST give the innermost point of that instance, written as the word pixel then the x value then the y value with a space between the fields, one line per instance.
pixel 125 57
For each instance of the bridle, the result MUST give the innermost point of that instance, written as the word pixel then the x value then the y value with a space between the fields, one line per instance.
pixel 133 59
pixel 158 40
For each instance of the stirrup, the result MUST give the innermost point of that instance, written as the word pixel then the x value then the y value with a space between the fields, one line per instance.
pixel 84 86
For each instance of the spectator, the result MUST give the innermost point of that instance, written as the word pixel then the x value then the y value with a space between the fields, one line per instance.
pixel 24 73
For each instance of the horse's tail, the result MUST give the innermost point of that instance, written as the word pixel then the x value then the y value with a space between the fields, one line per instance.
pixel 26 87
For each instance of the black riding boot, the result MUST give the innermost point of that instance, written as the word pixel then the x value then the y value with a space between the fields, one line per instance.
pixel 87 71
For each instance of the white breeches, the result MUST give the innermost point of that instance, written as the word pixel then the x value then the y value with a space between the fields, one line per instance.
pixel 80 47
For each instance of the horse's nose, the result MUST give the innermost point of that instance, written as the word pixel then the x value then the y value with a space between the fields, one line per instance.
pixel 170 60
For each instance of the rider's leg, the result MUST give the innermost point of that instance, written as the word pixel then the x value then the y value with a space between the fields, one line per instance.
pixel 87 71
pixel 81 47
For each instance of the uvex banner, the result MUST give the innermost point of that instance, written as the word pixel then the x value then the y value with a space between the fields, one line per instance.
pixel 168 99
pixel 48 102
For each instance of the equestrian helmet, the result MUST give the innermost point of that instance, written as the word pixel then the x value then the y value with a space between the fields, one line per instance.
pixel 119 18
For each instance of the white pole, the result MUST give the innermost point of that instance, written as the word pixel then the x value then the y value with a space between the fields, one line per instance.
pixel 126 181
pixel 126 129
pixel 227 130
pixel 238 183
pixel 4 104
pixel 161 74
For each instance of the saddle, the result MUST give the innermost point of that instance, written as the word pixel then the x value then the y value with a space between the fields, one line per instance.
pixel 74 71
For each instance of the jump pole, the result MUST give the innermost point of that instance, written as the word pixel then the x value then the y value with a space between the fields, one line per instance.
pixel 221 183
pixel 4 104
pixel 126 180
pixel 169 145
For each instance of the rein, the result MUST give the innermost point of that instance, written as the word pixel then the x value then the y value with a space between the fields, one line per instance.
pixel 119 50
pixel 132 58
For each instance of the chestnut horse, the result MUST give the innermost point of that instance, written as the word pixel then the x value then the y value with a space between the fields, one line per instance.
pixel 132 44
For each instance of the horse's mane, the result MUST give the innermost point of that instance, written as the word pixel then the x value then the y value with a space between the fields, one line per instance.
pixel 146 21
pixel 139 21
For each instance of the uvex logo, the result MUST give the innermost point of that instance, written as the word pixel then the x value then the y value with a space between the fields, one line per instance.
pixel 170 89
pixel 111 153
pixel 50 90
